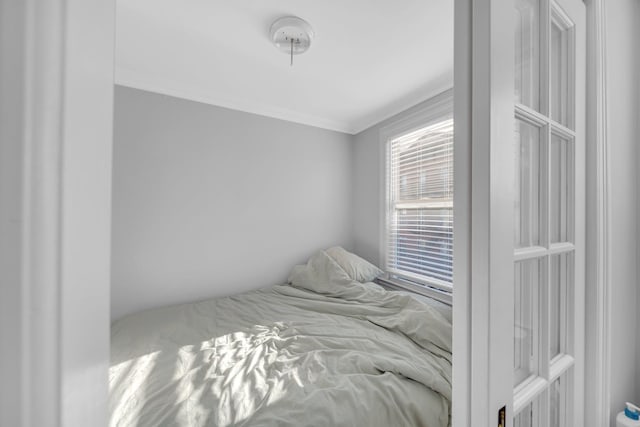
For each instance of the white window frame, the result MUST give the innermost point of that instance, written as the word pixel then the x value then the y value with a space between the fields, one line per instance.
pixel 430 112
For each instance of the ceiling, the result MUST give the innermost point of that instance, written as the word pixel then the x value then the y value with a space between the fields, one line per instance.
pixel 370 59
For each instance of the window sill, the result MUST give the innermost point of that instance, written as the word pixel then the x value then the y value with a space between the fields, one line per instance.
pixel 424 290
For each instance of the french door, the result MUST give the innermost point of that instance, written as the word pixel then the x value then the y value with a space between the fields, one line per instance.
pixel 548 198
pixel 524 248
pixel 549 153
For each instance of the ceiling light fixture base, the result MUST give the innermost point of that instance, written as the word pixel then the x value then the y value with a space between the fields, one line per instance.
pixel 291 35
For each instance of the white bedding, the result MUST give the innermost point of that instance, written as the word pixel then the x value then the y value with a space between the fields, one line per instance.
pixel 322 351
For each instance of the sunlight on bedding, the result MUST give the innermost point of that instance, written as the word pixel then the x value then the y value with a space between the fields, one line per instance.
pixel 134 374
pixel 239 370
pixel 323 351
pixel 239 375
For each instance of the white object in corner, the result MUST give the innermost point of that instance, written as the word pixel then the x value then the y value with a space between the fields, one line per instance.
pixel 630 417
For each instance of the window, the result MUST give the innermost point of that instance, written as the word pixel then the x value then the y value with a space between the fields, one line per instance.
pixel 419 199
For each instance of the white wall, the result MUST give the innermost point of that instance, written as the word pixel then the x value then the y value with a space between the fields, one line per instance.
pixel 209 201
pixel 622 35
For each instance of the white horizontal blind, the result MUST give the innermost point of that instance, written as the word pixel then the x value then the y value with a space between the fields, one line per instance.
pixel 419 230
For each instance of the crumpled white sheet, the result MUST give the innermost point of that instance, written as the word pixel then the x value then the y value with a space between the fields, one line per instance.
pixel 322 351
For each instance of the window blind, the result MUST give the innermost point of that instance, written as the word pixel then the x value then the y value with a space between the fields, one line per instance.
pixel 419 228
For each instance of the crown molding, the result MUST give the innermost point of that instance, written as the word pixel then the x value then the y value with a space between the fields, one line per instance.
pixel 402 105
pixel 135 80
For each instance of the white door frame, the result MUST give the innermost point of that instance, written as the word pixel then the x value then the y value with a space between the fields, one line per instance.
pixel 598 300
pixel 469 379
pixel 56 107
pixel 480 96
pixel 462 296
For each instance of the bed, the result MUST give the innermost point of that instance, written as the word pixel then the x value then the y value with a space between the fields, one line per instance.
pixel 322 350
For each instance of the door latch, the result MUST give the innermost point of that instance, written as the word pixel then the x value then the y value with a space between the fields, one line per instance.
pixel 502 415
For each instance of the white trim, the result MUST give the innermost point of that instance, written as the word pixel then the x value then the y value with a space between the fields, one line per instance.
pixel 492 211
pixel 398 107
pixel 421 280
pixel 483 156
pixel 438 105
pixel 560 365
pixel 530 252
pixel 31 70
pixel 461 405
pixel 597 382
pixel 433 293
pixel 56 111
pixel 432 111
pixel 133 79
pixel 526 393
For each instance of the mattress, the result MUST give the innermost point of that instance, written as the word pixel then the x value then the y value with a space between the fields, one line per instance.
pixel 323 350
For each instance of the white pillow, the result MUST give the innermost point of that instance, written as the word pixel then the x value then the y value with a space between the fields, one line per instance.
pixel 357 268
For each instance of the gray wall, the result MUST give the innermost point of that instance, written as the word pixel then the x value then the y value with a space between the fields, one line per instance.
pixel 367 181
pixel 622 35
pixel 209 201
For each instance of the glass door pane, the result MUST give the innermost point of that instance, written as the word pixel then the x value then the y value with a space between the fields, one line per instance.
pixel 561 189
pixel 558 403
pixel 559 78
pixel 524 418
pixel 527 184
pixel 558 310
pixel 527 278
pixel 527 53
